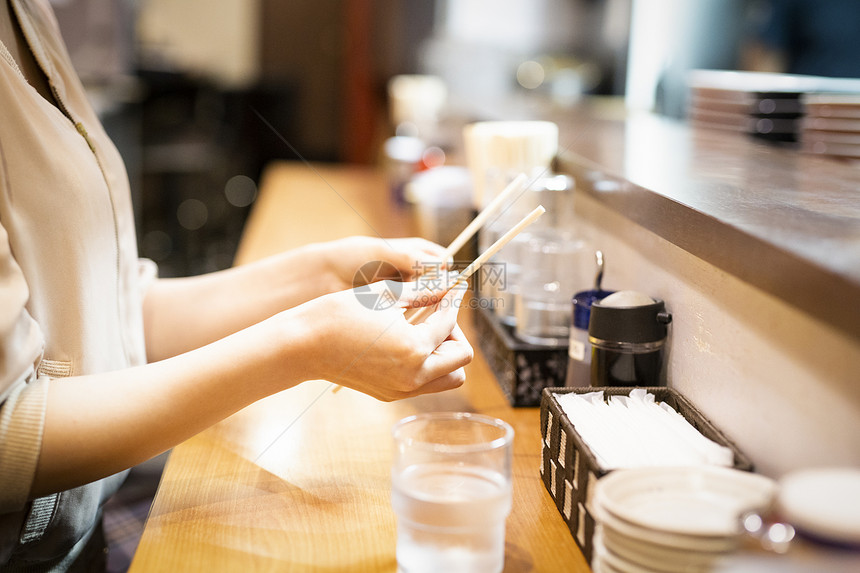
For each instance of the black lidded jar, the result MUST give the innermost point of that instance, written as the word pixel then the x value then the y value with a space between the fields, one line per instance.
pixel 627 341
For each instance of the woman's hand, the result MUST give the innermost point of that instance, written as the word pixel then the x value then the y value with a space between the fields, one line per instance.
pixel 98 424
pixel 349 259
pixel 362 340
pixel 186 313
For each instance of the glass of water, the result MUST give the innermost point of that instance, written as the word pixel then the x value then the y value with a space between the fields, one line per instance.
pixel 451 492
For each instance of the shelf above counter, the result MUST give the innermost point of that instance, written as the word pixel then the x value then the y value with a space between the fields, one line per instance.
pixel 784 222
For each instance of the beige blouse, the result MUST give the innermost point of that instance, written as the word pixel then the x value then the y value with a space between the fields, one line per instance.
pixel 70 282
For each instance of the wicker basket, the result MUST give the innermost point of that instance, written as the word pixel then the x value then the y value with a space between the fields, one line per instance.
pixel 522 370
pixel 569 469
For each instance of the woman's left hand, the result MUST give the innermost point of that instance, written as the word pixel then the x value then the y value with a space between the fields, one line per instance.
pixel 357 261
pixel 183 314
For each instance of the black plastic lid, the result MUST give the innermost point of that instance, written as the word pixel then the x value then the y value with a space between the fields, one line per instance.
pixel 635 324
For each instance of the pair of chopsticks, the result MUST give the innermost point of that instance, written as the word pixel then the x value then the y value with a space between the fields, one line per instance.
pixel 515 186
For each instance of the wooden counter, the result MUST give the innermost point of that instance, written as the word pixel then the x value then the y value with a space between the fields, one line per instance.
pixel 300 481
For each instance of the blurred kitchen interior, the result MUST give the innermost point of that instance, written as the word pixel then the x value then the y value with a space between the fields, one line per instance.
pixel 200 94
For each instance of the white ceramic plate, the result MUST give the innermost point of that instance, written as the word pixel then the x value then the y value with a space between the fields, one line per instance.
pixel 824 502
pixel 670 544
pixel 690 501
pixel 658 557
pixel 613 562
pixel 610 564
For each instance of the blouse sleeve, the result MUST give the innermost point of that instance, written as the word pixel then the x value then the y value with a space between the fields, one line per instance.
pixel 22 394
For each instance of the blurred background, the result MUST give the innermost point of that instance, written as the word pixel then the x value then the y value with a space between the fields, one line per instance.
pixel 200 94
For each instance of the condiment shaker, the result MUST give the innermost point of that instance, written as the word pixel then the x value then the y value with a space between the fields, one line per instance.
pixel 627 331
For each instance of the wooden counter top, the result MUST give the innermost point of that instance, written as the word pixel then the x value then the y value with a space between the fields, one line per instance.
pixel 300 481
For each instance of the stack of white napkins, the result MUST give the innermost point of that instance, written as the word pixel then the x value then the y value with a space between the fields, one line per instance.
pixel 637 431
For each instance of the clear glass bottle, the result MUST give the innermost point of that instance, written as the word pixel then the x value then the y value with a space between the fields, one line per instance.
pixel 503 150
pixel 554 263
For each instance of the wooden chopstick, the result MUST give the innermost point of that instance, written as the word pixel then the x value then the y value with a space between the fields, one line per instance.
pixel 518 184
pixel 422 313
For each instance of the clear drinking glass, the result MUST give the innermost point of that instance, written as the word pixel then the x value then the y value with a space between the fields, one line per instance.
pixel 500 277
pixel 554 264
pixel 552 271
pixel 451 492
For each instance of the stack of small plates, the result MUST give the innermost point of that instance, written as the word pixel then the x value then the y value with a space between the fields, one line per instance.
pixel 832 125
pixel 764 105
pixel 672 520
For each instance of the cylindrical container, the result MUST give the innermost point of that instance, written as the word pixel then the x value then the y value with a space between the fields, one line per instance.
pixel 451 492
pixel 495 149
pixel 579 348
pixel 442 198
pixel 402 160
pixel 503 271
pixel 497 152
pixel 554 265
pixel 415 105
pixel 627 332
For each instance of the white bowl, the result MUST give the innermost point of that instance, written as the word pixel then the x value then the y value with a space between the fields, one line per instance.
pixel 700 501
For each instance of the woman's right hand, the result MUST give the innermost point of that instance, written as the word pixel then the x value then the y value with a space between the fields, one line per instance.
pixel 361 339
pixel 98 424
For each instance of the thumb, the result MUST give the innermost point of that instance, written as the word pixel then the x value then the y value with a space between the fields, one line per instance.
pixel 428 291
pixel 443 321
